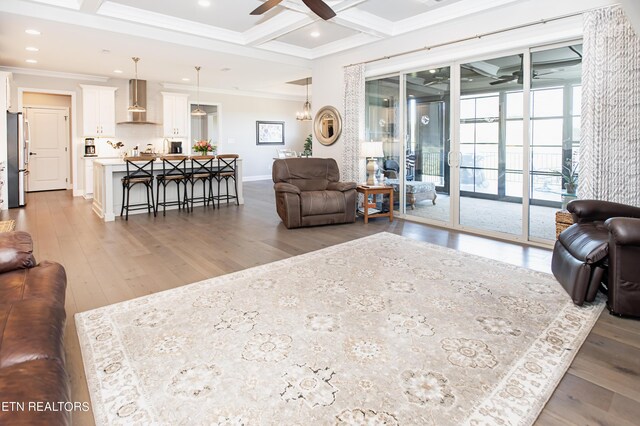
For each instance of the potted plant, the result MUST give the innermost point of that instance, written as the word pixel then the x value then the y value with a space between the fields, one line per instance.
pixel 570 176
pixel 308 146
pixel 204 146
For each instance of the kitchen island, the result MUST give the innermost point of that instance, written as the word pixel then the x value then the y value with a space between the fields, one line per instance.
pixel 107 188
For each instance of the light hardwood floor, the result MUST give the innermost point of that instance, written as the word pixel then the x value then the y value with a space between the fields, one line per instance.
pixel 111 262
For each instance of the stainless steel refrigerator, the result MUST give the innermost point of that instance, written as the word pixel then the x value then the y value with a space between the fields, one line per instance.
pixel 17 158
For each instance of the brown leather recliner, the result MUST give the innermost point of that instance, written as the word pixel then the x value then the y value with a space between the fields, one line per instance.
pixel 309 192
pixel 602 247
pixel 32 318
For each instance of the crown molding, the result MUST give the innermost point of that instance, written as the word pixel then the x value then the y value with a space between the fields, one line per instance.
pixel 247 93
pixel 55 74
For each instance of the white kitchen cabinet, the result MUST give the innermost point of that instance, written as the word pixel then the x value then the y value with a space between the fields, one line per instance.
pixel 88 178
pixel 175 108
pixel 98 111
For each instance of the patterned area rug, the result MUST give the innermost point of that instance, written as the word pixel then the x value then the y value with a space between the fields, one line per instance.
pixel 381 330
pixel 7 225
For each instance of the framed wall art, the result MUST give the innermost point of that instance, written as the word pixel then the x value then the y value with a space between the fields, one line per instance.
pixel 269 132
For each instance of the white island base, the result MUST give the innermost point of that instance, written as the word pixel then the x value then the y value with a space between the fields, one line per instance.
pixel 107 188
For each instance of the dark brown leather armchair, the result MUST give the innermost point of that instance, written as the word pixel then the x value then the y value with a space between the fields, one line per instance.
pixel 309 192
pixel 601 247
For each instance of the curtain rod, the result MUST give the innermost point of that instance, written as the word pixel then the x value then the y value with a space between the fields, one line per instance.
pixel 480 36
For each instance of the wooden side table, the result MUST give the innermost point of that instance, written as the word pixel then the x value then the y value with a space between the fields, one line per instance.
pixel 375 190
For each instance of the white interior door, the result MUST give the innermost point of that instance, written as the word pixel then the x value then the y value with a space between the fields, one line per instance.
pixel 48 156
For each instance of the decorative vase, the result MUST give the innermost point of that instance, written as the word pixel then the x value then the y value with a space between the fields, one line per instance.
pixel 570 187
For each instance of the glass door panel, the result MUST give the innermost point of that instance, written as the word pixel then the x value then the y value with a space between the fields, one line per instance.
pixel 491 144
pixel 427 180
pixel 555 134
pixel 382 125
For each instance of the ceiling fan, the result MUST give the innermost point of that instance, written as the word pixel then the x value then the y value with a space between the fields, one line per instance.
pixel 318 7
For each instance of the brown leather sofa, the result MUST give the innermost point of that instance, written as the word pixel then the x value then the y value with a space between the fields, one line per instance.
pixel 33 379
pixel 309 192
pixel 601 250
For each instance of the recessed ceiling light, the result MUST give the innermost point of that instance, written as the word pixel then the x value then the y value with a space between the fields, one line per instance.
pixel 118 71
pixel 31 61
pixel 204 3
pixel 31 49
pixel 386 100
pixel 433 71
pixel 315 34
pixel 186 79
pixel 32 32
pixel 225 69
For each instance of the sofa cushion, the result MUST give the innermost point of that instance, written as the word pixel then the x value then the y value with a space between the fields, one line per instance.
pixel 47 281
pixel 322 202
pixel 35 382
pixel 31 329
pixel 16 251
pixel 587 242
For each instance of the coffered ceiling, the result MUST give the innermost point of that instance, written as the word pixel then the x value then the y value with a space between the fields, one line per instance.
pixel 263 52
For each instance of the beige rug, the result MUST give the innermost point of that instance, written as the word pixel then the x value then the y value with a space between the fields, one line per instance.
pixel 381 330
pixel 7 225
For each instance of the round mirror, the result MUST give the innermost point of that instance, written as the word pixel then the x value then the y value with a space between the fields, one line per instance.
pixel 327 125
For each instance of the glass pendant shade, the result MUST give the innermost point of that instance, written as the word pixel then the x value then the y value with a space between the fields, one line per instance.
pixel 135 107
pixel 198 112
pixel 305 115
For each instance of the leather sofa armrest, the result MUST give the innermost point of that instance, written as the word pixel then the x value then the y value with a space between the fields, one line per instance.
pixel 341 186
pixel 286 187
pixel 16 251
pixel 624 231
pixel 596 210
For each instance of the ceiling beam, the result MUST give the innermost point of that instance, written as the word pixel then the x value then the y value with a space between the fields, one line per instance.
pixel 279 25
pixel 90 6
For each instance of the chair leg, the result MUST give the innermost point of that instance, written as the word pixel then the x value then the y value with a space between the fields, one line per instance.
pixel 164 199
pixel 226 182
pixel 157 197
pixel 126 217
pixel 193 183
pixel 153 202
pixel 123 192
pixel 218 193
pixel 213 201
pixel 146 185
pixel 235 185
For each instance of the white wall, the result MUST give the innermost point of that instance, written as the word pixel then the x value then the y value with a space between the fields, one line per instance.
pixel 328 72
pixel 237 115
pixel 632 9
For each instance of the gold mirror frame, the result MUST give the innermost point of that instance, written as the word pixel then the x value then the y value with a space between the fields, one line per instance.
pixel 323 116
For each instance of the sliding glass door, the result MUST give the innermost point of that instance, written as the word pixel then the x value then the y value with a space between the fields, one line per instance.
pixel 428 112
pixel 491 150
pixel 489 145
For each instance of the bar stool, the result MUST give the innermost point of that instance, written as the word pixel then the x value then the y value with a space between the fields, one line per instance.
pixel 227 169
pixel 201 170
pixel 173 171
pixel 139 170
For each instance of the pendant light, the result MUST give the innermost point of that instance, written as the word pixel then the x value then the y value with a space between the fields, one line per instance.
pixel 305 115
pixel 198 111
pixel 135 107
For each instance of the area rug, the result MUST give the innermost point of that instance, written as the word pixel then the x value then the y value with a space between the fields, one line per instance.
pixel 7 225
pixel 380 330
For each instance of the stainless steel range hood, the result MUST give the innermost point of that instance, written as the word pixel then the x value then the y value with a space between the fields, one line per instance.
pixel 138 117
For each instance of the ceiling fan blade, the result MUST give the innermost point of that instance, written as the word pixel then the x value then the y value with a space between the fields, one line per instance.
pixel 320 8
pixel 503 80
pixel 266 6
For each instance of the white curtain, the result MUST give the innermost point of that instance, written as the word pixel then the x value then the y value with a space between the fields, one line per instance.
pixel 610 144
pixel 353 167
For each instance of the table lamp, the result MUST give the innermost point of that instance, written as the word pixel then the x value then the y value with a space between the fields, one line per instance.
pixel 371 151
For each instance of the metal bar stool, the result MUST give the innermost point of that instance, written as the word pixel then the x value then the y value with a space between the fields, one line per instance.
pixel 173 170
pixel 201 170
pixel 139 171
pixel 227 168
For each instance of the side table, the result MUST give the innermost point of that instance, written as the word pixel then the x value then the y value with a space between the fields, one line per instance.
pixel 369 209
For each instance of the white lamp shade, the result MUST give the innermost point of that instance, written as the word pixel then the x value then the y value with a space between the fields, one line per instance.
pixel 371 150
